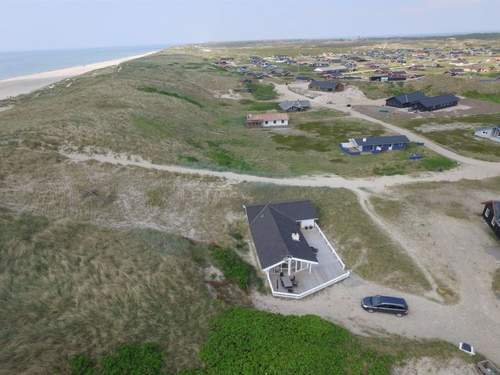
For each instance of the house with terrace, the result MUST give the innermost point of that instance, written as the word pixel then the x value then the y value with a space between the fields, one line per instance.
pixel 292 250
pixel 492 133
pixel 374 145
pixel 267 120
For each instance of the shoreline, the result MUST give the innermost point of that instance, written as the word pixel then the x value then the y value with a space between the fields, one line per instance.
pixel 11 87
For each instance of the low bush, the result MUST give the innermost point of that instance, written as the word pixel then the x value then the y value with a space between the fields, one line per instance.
pixel 154 90
pixel 438 163
pixel 234 267
pixel 130 359
pixel 256 342
pixel 262 91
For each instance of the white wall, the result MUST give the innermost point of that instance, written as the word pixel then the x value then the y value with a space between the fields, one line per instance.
pixel 307 223
pixel 270 124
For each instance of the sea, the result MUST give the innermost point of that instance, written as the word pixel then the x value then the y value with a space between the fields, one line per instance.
pixel 20 63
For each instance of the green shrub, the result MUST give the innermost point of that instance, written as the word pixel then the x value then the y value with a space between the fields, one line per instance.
pixel 256 342
pixel 262 91
pixel 81 365
pixel 154 90
pixel 133 359
pixel 438 163
pixel 234 268
pixel 130 359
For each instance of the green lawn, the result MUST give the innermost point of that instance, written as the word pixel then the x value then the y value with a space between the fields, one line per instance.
pixel 492 97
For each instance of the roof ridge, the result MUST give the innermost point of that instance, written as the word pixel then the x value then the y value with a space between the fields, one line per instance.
pixel 258 213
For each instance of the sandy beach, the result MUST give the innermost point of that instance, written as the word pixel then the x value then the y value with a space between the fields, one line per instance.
pixel 24 84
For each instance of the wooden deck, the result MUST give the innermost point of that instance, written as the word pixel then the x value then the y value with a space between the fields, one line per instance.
pixel 328 271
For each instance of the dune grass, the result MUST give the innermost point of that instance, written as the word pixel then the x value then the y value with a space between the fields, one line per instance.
pixel 155 90
pixel 70 287
pixel 492 97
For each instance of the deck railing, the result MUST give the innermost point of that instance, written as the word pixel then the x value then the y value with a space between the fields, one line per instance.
pixel 309 291
pixel 330 246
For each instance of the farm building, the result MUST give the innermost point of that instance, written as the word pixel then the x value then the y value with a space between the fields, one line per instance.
pixel 295 105
pixel 329 86
pixel 405 100
pixel 436 102
pixel 292 250
pixel 491 214
pixel 267 120
pixel 375 144
pixel 492 133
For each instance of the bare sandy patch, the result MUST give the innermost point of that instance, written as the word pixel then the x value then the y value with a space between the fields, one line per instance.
pixel 427 365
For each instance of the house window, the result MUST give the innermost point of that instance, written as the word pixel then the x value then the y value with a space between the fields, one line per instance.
pixel 274 121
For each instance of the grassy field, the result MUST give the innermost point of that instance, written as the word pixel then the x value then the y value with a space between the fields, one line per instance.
pixel 433 84
pixel 167 108
pixel 492 97
pixel 69 287
pixel 242 338
pixel 91 264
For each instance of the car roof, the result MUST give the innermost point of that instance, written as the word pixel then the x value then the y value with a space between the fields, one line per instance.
pixel 392 300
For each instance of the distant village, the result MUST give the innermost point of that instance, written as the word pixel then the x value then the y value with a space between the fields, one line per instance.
pixel 378 64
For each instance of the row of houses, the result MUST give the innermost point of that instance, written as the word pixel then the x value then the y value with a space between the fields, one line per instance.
pixel 421 102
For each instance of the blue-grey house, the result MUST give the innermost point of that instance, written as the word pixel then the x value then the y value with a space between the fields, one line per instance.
pixel 375 144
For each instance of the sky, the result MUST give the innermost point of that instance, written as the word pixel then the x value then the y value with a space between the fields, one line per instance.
pixel 63 24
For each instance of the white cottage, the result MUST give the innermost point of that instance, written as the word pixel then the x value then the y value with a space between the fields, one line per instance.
pixel 267 120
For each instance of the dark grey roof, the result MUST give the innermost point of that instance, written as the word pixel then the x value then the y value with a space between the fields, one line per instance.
pixel 272 231
pixel 410 98
pixel 287 104
pixel 296 210
pixel 325 84
pixel 433 101
pixel 382 140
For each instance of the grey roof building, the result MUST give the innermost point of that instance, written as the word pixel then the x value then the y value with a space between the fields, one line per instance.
pixel 436 102
pixel 272 226
pixel 405 100
pixel 291 249
pixel 326 86
pixel 295 105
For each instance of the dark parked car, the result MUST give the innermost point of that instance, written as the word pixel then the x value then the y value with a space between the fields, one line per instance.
pixel 391 305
